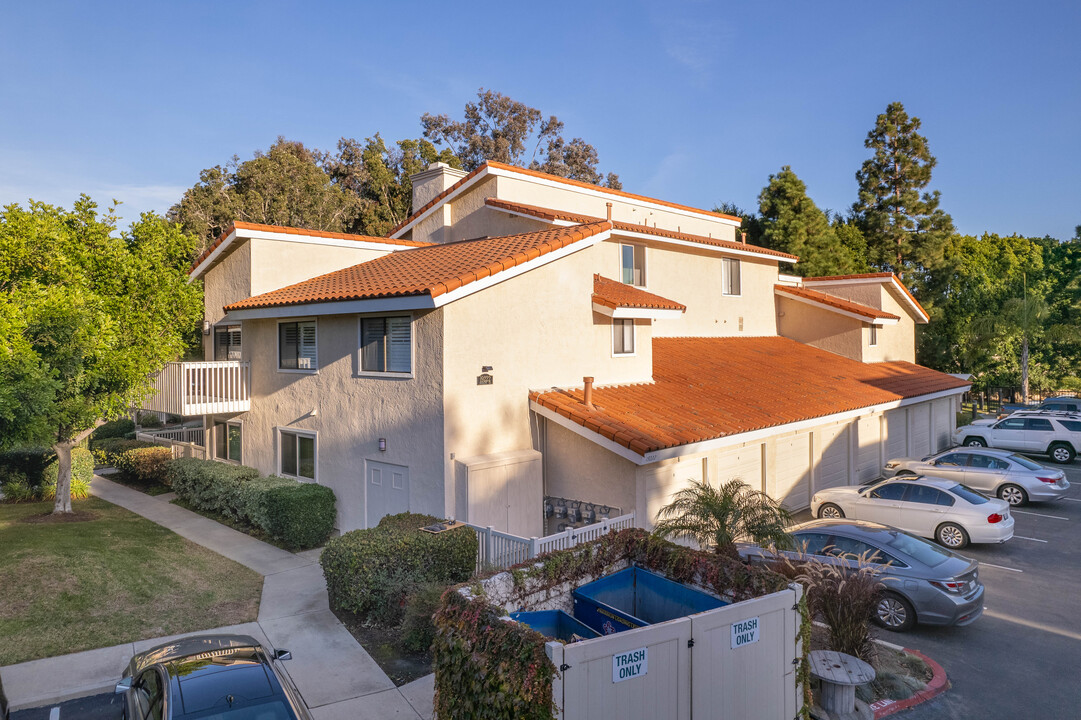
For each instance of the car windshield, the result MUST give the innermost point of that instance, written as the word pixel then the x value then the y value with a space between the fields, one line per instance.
pixel 872 484
pixel 918 549
pixel 1026 463
pixel 966 493
pixel 272 710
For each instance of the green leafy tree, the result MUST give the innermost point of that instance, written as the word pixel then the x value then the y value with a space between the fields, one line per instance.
pixel 751 223
pixel 379 176
pixel 286 185
pixel 792 223
pixel 86 316
pixel 501 129
pixel 905 230
pixel 717 517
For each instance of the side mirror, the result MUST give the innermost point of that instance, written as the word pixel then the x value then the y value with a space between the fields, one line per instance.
pixel 123 686
pixel 283 655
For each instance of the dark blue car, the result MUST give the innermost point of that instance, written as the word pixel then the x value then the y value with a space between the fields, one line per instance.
pixel 211 677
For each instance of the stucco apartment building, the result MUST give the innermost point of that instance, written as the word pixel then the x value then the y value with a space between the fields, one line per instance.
pixel 524 341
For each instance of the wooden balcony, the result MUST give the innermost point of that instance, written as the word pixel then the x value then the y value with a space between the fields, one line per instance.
pixel 201 388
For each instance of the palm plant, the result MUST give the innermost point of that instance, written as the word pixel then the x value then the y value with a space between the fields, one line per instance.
pixel 719 516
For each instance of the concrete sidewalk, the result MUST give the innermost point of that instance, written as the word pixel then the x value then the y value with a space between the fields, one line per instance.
pixel 335 675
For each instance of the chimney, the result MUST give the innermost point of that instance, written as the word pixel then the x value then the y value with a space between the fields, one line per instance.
pixel 609 211
pixel 588 393
pixel 743 237
pixel 428 183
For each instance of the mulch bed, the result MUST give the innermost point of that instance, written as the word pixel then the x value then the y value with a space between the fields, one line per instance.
pixel 400 665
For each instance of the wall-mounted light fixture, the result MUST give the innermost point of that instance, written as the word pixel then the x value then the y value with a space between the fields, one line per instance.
pixel 382 444
pixel 206 327
pixel 486 368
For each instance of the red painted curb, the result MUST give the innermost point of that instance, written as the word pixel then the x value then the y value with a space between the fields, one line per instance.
pixel 938 685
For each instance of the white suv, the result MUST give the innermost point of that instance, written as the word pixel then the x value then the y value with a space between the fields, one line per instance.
pixel 1057 434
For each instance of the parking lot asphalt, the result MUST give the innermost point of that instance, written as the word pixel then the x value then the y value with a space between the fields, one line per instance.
pixel 1020 659
pixel 107 706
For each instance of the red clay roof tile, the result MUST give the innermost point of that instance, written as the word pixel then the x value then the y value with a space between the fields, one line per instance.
pixel 707 388
pixel 835 302
pixel 431 270
pixel 612 294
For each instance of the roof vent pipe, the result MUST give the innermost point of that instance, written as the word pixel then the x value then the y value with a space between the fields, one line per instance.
pixel 609 211
pixel 743 237
pixel 588 392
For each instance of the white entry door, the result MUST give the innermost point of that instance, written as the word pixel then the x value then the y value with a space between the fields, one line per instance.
pixel 386 490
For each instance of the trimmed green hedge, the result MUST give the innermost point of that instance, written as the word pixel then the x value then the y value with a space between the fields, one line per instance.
pixel 28 461
pixel 113 429
pixel 299 515
pixel 106 450
pixel 144 465
pixel 372 572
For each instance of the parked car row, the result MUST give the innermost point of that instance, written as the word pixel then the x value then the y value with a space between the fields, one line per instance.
pixel 1051 432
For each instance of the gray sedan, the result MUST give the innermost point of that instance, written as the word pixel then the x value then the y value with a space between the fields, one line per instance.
pixel 1010 476
pixel 923 582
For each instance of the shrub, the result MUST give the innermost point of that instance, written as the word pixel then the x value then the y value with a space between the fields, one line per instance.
pixel 143 465
pixel 209 485
pixel 113 429
pixel 418 630
pixel 16 489
pixel 107 450
pixel 150 420
pixel 251 500
pixel 27 462
pixel 300 515
pixel 372 572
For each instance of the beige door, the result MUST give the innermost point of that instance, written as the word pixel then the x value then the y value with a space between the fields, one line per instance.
pixel 743 463
pixel 896 434
pixel 943 412
pixel 832 469
pixel 790 483
pixel 919 430
pixel 868 444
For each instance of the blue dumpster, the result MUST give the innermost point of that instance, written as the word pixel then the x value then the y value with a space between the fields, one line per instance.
pixel 555 624
pixel 634 598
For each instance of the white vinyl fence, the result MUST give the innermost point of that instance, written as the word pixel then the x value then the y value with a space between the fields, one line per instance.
pixel 500 550
pixel 184 442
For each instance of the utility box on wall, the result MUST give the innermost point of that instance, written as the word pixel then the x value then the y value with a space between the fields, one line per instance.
pixel 502 490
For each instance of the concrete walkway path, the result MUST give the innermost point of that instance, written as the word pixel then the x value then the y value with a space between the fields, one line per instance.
pixel 335 675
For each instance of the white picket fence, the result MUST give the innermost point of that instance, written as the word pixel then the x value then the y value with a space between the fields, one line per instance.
pixel 500 550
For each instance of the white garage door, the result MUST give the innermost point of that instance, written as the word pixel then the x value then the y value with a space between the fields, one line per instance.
pixel 919 430
pixel 868 435
pixel 943 427
pixel 744 463
pixel 832 470
pixel 791 481
pixel 896 433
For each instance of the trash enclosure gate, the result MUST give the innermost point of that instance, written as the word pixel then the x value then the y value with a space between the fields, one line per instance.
pixel 737 662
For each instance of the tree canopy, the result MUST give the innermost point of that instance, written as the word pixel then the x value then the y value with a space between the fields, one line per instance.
pixel 905 230
pixel 87 315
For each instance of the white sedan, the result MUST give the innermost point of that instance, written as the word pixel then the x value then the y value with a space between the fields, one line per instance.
pixel 931 507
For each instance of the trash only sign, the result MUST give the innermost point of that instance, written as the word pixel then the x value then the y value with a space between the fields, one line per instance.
pixel 744 632
pixel 631 664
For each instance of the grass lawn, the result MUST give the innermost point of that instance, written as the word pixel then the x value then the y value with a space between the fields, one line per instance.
pixel 115 578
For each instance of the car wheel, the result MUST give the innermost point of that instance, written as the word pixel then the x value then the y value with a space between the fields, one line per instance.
pixel 895 613
pixel 1061 453
pixel 952 536
pixel 830 511
pixel 1013 494
pixel 975 442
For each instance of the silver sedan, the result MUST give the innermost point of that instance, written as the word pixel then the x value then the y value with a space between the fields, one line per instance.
pixel 1012 477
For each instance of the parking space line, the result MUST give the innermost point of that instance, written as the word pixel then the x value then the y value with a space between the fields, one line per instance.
pixel 1000 567
pixel 1022 537
pixel 1034 625
pixel 1072 499
pixel 1026 512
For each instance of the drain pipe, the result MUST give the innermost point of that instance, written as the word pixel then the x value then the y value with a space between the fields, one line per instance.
pixel 588 392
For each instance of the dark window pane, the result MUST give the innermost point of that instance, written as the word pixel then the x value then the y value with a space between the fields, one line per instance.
pixel 307 457
pixel 289 454
pixel 220 441
pixel 967 493
pixel 1071 425
pixel 373 344
pixel 234 442
pixel 922 494
pixel 1040 424
pixel 812 543
pixel 953 459
pixel 288 345
pixel 891 491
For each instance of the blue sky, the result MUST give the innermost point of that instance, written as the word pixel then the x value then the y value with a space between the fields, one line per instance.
pixel 692 102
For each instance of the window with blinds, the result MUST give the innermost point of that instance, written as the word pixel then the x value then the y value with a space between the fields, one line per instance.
pixel 386 344
pixel 730 280
pixel 623 337
pixel 297 346
pixel 227 343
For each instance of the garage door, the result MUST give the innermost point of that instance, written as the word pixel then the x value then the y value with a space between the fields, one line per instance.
pixel 919 430
pixel 832 470
pixel 791 480
pixel 897 434
pixel 942 412
pixel 868 435
pixel 744 463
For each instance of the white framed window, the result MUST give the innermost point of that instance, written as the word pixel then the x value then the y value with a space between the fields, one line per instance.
pixel 297 346
pixel 227 342
pixel 228 441
pixel 872 339
pixel 730 276
pixel 632 260
pixel 297 454
pixel 386 345
pixel 623 337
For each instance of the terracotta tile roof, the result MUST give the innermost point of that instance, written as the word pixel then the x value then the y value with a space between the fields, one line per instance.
pixel 835 302
pixel 620 295
pixel 875 276
pixel 555 178
pixel 707 388
pixel 239 225
pixel 432 270
pixel 551 215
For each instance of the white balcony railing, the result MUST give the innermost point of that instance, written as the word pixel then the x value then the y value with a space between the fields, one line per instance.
pixel 201 388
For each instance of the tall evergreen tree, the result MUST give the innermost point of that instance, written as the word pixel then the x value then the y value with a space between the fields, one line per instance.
pixel 905 231
pixel 792 223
